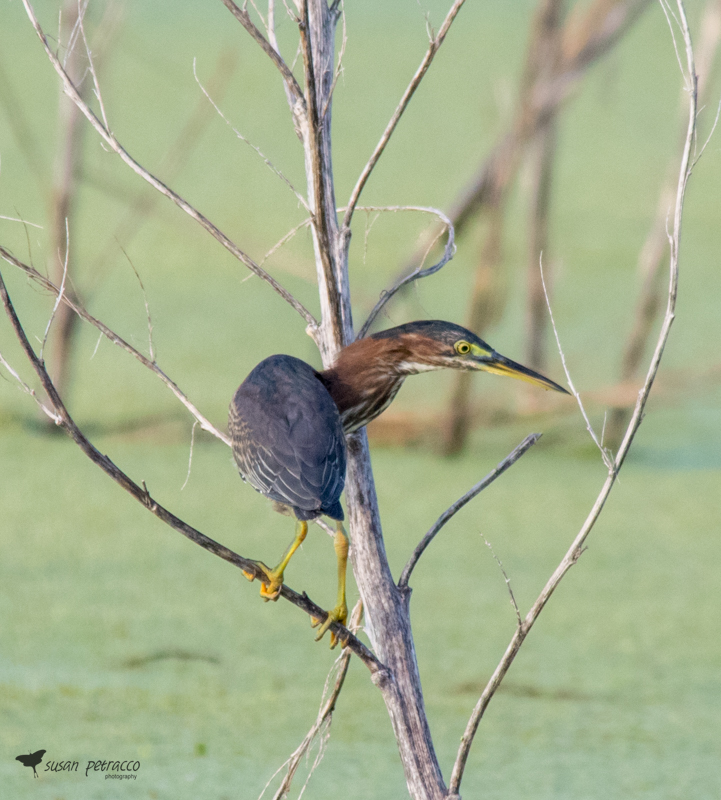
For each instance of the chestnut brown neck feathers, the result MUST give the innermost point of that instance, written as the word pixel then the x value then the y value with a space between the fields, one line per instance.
pixel 368 374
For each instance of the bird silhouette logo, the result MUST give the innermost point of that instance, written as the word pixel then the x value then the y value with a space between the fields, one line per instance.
pixel 31 759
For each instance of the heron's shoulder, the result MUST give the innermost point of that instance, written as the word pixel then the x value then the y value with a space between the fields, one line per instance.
pixel 282 380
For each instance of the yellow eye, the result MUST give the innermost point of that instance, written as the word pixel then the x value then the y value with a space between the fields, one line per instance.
pixel 463 348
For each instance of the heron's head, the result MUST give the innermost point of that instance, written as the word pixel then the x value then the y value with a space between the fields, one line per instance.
pixel 432 344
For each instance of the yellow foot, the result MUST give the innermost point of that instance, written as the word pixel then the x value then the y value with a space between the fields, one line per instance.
pixel 338 614
pixel 270 590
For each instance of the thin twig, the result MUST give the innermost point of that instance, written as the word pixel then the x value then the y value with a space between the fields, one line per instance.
pixel 417 273
pixel 81 14
pixel 576 548
pixel 61 292
pixel 24 221
pixel 205 424
pixel 72 92
pixel 507 580
pixel 30 391
pixel 250 144
pixel 604 455
pixel 271 51
pixel 190 457
pixel 151 348
pixel 325 713
pixel 507 462
pixel 285 239
pixel 142 494
pixel 433 48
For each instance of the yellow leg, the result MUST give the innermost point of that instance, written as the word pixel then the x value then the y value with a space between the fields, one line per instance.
pixel 271 590
pixel 340 612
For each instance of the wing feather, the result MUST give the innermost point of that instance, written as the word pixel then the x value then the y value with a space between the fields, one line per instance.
pixel 288 439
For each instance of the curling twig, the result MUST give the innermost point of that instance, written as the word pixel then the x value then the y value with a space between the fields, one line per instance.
pixel 417 273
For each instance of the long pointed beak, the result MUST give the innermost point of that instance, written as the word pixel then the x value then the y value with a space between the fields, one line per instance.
pixel 500 365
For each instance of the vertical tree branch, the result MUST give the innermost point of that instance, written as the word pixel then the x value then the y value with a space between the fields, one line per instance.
pixel 387 617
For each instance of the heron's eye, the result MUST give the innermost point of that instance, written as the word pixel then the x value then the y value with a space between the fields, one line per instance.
pixel 463 348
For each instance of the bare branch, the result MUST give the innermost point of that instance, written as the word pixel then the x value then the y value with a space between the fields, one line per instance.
pixel 651 257
pixel 325 713
pixel 604 455
pixel 433 48
pixel 271 51
pixel 417 273
pixel 507 462
pixel 28 390
pixel 61 292
pixel 506 579
pixel 72 92
pixel 141 494
pixel 253 147
pixel 205 424
pixel 576 548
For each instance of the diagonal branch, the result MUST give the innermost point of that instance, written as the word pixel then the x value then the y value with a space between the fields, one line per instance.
pixel 288 78
pixel 250 144
pixel 142 495
pixel 433 48
pixel 325 712
pixel 72 92
pixel 576 548
pixel 507 462
pixel 205 424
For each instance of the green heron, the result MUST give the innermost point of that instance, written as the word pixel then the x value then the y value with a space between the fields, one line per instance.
pixel 287 422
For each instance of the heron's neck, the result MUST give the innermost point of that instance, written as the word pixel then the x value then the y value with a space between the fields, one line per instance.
pixel 366 377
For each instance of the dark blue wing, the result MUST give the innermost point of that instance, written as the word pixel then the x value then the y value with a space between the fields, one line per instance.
pixel 288 437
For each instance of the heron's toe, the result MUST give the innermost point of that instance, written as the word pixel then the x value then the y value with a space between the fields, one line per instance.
pixel 270 589
pixel 338 614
